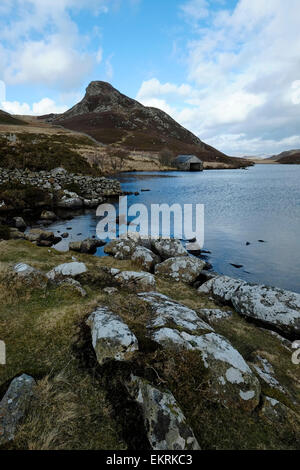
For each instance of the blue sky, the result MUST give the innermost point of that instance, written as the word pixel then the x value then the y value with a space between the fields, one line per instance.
pixel 229 70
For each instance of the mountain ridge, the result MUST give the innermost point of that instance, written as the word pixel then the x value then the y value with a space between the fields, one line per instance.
pixel 113 118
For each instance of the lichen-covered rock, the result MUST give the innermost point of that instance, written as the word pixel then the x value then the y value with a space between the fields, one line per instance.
pixel 70 200
pixel 168 248
pixel 214 315
pixel 221 288
pixel 168 312
pixel 67 269
pixel 121 249
pixel 112 339
pixel 136 281
pixel 232 381
pixel 182 268
pixel 265 371
pixel 277 308
pixel 14 405
pixel 165 423
pixel 145 258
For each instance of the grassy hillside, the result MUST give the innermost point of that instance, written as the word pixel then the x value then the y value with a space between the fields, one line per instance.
pixel 7 119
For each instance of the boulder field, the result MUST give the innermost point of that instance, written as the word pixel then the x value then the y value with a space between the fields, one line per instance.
pixel 178 366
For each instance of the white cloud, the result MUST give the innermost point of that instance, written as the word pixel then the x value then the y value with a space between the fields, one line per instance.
pixel 45 106
pixel 195 10
pixel 41 43
pixel 242 87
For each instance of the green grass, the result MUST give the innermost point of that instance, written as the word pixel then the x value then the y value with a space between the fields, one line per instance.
pixel 81 406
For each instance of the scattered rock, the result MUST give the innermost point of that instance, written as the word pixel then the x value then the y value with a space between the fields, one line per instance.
pixel 166 311
pixel 265 371
pixel 30 275
pixel 145 258
pixel 48 215
pixel 279 414
pixel 165 423
pixel 67 269
pixel 89 245
pixel 65 235
pixel 136 281
pixel 15 234
pixel 110 290
pixel 111 337
pixel 183 268
pixel 277 308
pixel 121 249
pixel 19 223
pixel 237 266
pixel 14 406
pixel 38 235
pixel 168 248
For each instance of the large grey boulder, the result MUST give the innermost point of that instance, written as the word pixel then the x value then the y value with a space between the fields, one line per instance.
pixel 164 421
pixel 277 308
pixel 112 339
pixel 168 248
pixel 166 311
pixel 136 281
pixel 182 268
pixel 70 200
pixel 14 405
pixel 232 381
pixel 145 258
pixel 67 269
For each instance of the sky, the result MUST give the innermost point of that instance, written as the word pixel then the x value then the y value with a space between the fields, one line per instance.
pixel 228 70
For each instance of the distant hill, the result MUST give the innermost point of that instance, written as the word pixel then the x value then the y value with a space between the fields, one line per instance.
pixel 290 157
pixel 113 118
pixel 8 119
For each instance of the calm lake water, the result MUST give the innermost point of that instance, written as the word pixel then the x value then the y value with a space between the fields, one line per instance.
pixel 262 203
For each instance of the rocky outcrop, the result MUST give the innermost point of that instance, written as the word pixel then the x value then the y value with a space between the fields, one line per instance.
pixel 19 223
pixel 174 325
pixel 165 423
pixel 165 311
pixel 112 339
pixel 67 269
pixel 183 268
pixel 214 316
pixel 30 276
pixel 277 308
pixel 265 371
pixel 121 248
pixel 168 248
pixel 14 405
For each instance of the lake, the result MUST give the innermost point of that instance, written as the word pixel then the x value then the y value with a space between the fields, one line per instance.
pixel 241 208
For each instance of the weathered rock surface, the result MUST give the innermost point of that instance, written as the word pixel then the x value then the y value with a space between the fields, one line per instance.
pixel 232 381
pixel 168 248
pixel 14 405
pixel 137 281
pixel 276 308
pixel 121 248
pixel 265 371
pixel 166 311
pixel 279 414
pixel 88 246
pixel 67 269
pixel 182 268
pixel 165 423
pixel 75 285
pixel 214 316
pixel 145 258
pixel 112 339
